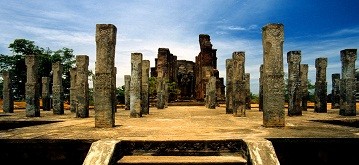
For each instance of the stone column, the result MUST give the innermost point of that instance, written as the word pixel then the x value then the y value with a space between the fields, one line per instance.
pixel 320 105
pixel 46 100
pixel 114 88
pixel 145 86
pixel 82 86
pixel 127 91
pixel 166 93
pixel 347 83
pixel 239 94
pixel 273 75
pixel 304 86
pixel 260 106
pixel 247 79
pixel 103 83
pixel 136 85
pixel 160 93
pixel 32 87
pixel 294 92
pixel 8 100
pixel 229 86
pixel 335 91
pixel 57 89
pixel 211 94
pixel 73 102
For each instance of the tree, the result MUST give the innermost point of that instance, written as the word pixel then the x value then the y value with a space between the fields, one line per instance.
pixel 120 94
pixel 15 64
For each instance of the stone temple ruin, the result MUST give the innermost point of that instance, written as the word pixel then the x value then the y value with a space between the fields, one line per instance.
pixel 225 129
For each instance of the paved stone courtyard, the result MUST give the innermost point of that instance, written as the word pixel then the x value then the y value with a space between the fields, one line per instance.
pixel 180 123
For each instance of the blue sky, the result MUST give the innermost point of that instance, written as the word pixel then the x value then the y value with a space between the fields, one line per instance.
pixel 317 28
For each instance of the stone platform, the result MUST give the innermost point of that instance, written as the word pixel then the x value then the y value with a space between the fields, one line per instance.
pixel 181 123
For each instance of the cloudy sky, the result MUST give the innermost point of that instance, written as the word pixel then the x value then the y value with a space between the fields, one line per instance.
pixel 317 28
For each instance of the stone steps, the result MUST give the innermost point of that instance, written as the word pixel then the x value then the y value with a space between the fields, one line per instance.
pixel 146 160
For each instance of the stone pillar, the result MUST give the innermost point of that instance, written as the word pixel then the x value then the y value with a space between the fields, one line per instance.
pixel 294 88
pixel 347 83
pixel 211 93
pixel 136 85
pixel 8 100
pixel 304 86
pixel 127 91
pixel 335 91
pixel 239 94
pixel 73 94
pixel 320 104
pixel 145 86
pixel 260 106
pixel 82 86
pixel 57 89
pixel 114 88
pixel 166 93
pixel 160 93
pixel 103 83
pixel 247 86
pixel 229 86
pixel 32 87
pixel 273 75
pixel 46 100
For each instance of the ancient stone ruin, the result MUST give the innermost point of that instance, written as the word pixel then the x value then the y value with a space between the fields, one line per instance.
pixel 73 93
pixel 82 86
pixel 247 79
pixel 294 83
pixel 239 93
pixel 57 89
pixel 103 82
pixel 347 83
pixel 32 87
pixel 46 100
pixel 8 100
pixel 320 104
pixel 273 75
pixel 127 91
pixel 335 91
pixel 229 86
pixel 304 86
pixel 211 99
pixel 145 87
pixel 136 85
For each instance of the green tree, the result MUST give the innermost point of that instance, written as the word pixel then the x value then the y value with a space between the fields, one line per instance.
pixel 15 64
pixel 152 87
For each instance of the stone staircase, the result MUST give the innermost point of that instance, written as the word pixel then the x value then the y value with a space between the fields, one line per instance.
pixel 200 152
pixel 182 152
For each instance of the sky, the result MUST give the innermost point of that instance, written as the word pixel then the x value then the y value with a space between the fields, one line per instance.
pixel 315 27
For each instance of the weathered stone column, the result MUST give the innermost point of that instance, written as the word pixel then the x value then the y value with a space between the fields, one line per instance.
pixel 320 105
pixel 294 90
pixel 347 83
pixel 239 94
pixel 136 85
pixel 82 86
pixel 46 100
pixel 247 86
pixel 260 106
pixel 73 94
pixel 32 87
pixel 103 83
pixel 114 88
pixel 160 93
pixel 8 100
pixel 335 91
pixel 211 100
pixel 229 86
pixel 145 86
pixel 166 93
pixel 57 89
pixel 273 76
pixel 304 86
pixel 127 91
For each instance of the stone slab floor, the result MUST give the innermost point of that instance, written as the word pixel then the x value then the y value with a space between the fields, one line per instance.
pixel 180 123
